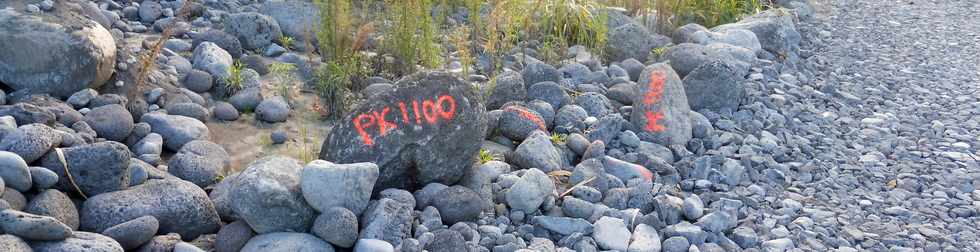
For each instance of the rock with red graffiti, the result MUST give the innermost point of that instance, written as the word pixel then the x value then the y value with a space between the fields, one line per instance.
pixel 660 110
pixel 518 121
pixel 428 129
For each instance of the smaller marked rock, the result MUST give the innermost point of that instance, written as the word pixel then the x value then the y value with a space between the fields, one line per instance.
pixel 611 233
pixel 176 130
pixel 458 203
pixel 517 122
pixel 530 191
pixel 33 227
pixel 661 111
pixel 267 195
pixel 14 171
pixel 133 233
pixel 79 241
pixel 199 162
pixel 56 204
pixel 338 226
pixel 112 122
pixel 537 151
pixel 286 242
pixel 232 237
pixel 325 185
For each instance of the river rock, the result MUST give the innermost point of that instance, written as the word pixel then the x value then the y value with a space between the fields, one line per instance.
pixel 56 204
pixel 530 191
pixel 131 234
pixel 112 122
pixel 714 86
pixel 413 147
pixel 254 30
pixel 30 141
pixel 286 242
pixel 233 236
pixel 13 243
pixel 79 241
pixel 33 227
pixel 180 207
pixel 95 168
pixel 199 162
pixel 386 219
pixel 338 226
pixel 661 111
pixel 537 151
pixel 458 203
pixel 58 53
pixel 211 58
pixel 348 185
pixel 176 130
pixel 14 172
pixel 268 196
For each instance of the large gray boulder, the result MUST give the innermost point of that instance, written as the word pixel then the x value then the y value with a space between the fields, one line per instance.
pixel 268 196
pixel 254 30
pixel 775 30
pixel 326 185
pixel 296 19
pixel 211 58
pixel 180 207
pixel 661 111
pixel 112 122
pixel 714 86
pixel 176 130
pixel 413 147
pixel 58 54
pixel 199 162
pixel 95 168
pixel 286 242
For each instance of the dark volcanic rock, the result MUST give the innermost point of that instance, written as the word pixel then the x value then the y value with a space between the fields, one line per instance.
pixel 96 168
pixel 180 206
pixel 419 133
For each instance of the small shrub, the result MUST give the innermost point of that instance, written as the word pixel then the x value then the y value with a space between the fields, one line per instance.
pixel 461 41
pixel 282 73
pixel 486 156
pixel 558 139
pixel 235 80
pixel 286 41
pixel 411 39
pixel 709 13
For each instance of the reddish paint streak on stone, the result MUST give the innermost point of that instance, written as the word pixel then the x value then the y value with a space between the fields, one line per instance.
pixel 653 124
pixel 359 124
pixel 530 116
pixel 645 173
pixel 654 94
pixel 433 110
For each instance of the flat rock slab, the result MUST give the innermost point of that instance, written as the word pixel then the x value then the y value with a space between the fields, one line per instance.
pixel 426 130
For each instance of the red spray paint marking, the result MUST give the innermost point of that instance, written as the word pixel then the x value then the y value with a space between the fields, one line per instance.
pixel 530 116
pixel 442 107
pixel 654 94
pixel 645 173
